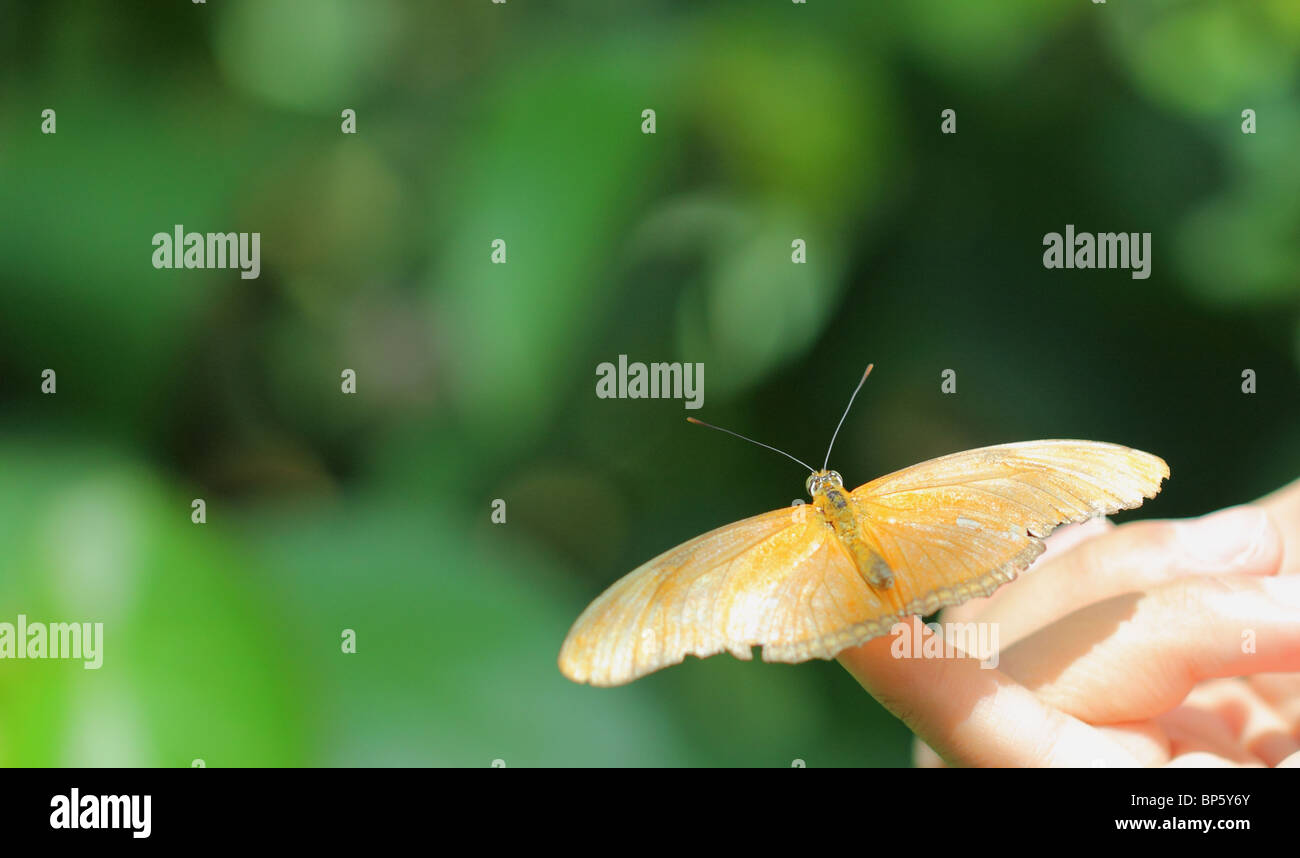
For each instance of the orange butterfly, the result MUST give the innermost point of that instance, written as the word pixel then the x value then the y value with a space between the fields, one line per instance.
pixel 812 580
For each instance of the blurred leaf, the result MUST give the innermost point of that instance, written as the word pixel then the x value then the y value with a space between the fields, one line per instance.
pixel 553 166
pixel 311 55
pixel 977 42
pixel 458 628
pixel 192 668
pixel 755 308
pixel 1202 56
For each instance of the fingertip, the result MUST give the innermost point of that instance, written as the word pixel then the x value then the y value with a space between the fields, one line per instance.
pixel 1240 539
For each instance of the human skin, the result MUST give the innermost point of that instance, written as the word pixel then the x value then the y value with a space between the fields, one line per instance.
pixel 1149 644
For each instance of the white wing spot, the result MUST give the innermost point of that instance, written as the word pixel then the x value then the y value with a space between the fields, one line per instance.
pixel 966 522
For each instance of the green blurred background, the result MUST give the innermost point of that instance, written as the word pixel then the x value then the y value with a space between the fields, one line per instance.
pixel 522 121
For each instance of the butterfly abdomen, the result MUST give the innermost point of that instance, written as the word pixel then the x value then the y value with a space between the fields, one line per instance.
pixel 837 508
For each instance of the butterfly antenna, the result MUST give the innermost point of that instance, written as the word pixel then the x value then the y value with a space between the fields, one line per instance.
pixel 751 440
pixel 846 414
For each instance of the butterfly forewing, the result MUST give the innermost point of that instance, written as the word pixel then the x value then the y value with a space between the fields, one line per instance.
pixel 1053 481
pixel 960 526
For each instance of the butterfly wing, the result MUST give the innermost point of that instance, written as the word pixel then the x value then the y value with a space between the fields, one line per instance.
pixel 758 581
pixel 960 526
pixel 951 529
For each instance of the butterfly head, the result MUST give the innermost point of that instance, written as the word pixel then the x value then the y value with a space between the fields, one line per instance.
pixel 820 481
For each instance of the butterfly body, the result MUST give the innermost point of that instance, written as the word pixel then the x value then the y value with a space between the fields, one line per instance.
pixel 842 516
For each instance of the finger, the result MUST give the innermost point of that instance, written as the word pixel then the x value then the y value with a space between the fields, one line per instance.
pixel 1145 740
pixel 1062 540
pixel 1282 691
pixel 1249 720
pixel 1200 760
pixel 1136 656
pixel 1283 506
pixel 1135 557
pixel 1291 762
pixel 973 716
pixel 1196 731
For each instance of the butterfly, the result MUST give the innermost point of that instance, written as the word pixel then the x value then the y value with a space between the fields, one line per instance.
pixel 814 579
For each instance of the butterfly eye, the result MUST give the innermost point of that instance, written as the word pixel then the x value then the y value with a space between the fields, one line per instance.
pixel 822 480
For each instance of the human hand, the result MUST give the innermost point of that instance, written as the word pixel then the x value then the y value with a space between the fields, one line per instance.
pixel 1153 643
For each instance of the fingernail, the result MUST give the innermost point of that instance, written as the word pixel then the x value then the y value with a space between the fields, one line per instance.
pixel 1230 537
